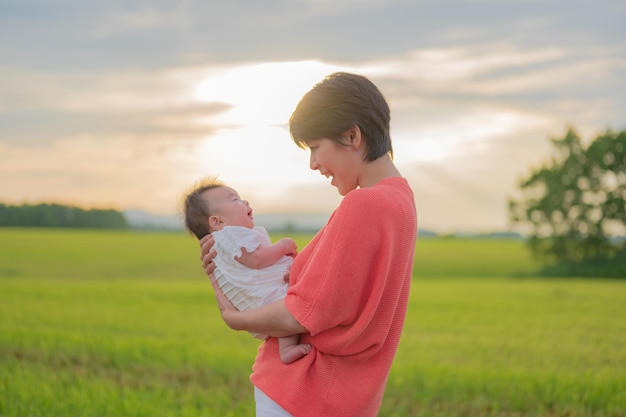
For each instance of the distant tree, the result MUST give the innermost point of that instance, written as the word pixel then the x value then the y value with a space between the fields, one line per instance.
pixel 574 205
pixel 56 215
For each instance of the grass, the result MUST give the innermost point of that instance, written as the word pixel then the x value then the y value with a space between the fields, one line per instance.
pixel 103 323
pixel 513 347
pixel 118 348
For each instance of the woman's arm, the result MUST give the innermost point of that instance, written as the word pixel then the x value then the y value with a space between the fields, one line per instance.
pixel 273 319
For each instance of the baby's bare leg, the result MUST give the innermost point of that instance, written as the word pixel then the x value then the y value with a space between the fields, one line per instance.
pixel 290 349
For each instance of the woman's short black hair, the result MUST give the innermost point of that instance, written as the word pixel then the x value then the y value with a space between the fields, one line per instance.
pixel 337 103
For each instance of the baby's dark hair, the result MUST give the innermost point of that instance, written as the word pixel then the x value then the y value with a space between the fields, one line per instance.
pixel 195 209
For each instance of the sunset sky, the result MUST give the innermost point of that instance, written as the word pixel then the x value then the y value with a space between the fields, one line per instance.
pixel 125 104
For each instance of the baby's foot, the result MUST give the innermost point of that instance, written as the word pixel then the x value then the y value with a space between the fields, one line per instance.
pixel 292 353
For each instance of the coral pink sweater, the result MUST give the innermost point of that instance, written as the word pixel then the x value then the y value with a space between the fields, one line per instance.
pixel 349 289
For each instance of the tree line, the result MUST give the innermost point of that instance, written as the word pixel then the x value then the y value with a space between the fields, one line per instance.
pixel 57 215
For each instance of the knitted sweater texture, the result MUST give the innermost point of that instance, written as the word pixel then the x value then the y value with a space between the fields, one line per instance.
pixel 349 288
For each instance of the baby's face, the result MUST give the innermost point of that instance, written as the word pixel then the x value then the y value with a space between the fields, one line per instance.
pixel 230 208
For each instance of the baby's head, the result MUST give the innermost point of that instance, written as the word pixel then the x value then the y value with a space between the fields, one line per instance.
pixel 210 205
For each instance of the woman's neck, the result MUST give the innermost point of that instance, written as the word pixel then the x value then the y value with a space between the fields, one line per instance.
pixel 378 170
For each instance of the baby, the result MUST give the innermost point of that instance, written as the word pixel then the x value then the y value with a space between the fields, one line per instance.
pixel 250 270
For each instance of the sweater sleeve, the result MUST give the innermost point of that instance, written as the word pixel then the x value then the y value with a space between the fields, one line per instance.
pixel 338 290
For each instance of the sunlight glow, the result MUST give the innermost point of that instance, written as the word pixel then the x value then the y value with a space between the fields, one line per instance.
pixel 255 155
pixel 261 94
pixel 252 150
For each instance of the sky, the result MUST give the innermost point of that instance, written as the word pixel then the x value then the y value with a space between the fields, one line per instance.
pixel 125 105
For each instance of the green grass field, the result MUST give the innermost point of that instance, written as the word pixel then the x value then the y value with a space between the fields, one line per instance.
pixel 109 323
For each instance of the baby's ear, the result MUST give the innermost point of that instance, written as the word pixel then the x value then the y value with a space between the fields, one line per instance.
pixel 215 223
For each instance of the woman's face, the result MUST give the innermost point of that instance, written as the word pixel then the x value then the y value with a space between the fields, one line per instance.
pixel 336 161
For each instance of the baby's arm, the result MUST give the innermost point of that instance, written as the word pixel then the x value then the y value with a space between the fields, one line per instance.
pixel 267 255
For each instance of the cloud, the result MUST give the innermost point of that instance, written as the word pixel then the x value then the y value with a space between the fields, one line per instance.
pixel 39 108
pixel 116 36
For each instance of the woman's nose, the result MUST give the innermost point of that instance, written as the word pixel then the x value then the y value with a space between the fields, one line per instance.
pixel 313 163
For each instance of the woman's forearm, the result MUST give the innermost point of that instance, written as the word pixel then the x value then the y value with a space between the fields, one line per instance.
pixel 272 319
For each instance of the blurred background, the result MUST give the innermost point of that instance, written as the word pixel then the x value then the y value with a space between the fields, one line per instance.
pixel 124 105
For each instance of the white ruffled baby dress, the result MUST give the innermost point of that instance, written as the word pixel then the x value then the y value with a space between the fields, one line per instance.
pixel 245 287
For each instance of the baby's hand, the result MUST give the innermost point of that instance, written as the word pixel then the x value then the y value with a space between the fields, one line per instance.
pixel 290 246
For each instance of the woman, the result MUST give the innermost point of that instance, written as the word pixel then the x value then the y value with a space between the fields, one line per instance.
pixel 349 286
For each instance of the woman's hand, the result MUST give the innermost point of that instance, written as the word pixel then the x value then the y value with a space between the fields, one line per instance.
pixel 223 303
pixel 207 254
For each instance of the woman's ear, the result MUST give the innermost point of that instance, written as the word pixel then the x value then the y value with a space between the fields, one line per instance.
pixel 215 223
pixel 355 137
